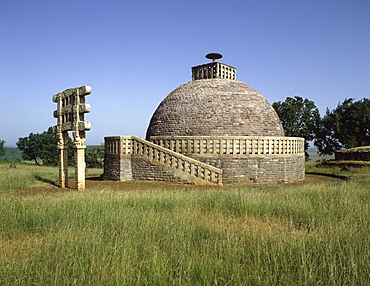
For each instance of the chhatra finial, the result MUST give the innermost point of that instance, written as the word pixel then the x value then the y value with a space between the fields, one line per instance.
pixel 214 56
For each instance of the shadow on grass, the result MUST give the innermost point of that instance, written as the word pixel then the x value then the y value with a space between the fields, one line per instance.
pixel 345 178
pixel 95 178
pixel 38 178
pixel 55 183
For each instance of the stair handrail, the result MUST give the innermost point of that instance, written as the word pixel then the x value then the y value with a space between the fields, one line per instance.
pixel 134 145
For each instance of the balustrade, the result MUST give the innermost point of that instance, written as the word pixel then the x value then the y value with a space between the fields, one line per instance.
pixel 132 145
pixel 243 145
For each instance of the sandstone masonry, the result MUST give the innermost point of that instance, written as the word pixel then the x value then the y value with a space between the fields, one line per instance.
pixel 211 130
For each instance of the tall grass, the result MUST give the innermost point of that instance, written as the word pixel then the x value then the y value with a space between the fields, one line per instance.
pixel 306 235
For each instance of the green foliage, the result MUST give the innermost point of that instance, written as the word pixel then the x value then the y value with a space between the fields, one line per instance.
pixel 346 126
pixel 299 117
pixel 2 150
pixel 94 156
pixel 43 147
pixel 29 147
pixel 11 154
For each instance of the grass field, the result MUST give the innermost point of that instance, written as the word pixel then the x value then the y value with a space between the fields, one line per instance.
pixel 140 233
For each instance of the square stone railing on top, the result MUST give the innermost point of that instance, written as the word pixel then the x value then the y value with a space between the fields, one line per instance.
pixel 132 145
pixel 238 145
pixel 213 70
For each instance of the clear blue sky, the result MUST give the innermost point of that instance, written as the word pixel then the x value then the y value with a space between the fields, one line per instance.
pixel 133 53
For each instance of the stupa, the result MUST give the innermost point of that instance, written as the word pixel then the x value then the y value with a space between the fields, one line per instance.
pixel 224 124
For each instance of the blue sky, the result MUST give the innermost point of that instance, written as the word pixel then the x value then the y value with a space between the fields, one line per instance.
pixel 134 53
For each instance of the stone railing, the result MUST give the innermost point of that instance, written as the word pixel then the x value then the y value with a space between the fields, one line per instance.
pixel 132 145
pixel 213 70
pixel 238 145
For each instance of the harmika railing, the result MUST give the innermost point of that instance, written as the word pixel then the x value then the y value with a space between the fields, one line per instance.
pixel 132 145
pixel 213 70
pixel 242 145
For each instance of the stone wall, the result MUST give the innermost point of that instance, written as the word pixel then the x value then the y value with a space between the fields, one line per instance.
pixel 117 167
pixel 352 155
pixel 257 169
pixel 142 169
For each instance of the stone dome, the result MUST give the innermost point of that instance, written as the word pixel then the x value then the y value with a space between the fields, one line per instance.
pixel 215 107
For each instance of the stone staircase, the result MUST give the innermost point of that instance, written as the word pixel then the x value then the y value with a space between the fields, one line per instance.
pixel 131 157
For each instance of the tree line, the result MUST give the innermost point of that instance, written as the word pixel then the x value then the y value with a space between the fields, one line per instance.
pixel 346 126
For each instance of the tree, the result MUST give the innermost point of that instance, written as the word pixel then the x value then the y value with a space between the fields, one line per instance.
pixel 94 157
pixel 299 117
pixel 2 150
pixel 347 126
pixel 42 147
pixel 30 147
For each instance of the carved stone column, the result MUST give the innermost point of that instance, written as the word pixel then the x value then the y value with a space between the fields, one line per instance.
pixel 63 160
pixel 80 168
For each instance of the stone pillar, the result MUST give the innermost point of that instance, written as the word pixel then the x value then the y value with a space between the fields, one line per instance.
pixel 80 167
pixel 63 161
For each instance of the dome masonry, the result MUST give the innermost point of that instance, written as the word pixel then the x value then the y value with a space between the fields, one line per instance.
pixel 214 103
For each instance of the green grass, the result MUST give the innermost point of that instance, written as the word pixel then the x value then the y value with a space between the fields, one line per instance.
pixel 359 174
pixel 30 175
pixel 24 176
pixel 268 235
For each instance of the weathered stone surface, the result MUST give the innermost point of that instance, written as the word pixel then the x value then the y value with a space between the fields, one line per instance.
pixel 258 169
pixel 130 157
pixel 247 145
pixel 70 111
pixel 144 170
pixel 355 154
pixel 213 70
pixel 215 107
pixel 244 159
